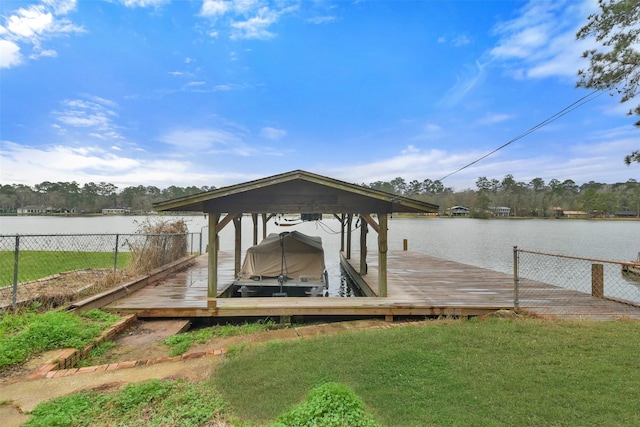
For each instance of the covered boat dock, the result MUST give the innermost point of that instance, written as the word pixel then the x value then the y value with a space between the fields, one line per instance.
pixel 298 192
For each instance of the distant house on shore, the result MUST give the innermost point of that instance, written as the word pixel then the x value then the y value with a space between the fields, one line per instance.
pixel 501 211
pixel 626 214
pixel 116 211
pixel 33 210
pixel 457 211
pixel 575 214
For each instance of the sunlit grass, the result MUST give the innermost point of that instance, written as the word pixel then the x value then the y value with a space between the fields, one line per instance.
pixel 150 403
pixel 33 265
pixel 492 372
pixel 180 343
pixel 24 335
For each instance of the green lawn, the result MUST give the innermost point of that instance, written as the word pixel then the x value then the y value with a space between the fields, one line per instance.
pixel 30 333
pixel 33 265
pixel 443 373
pixel 453 373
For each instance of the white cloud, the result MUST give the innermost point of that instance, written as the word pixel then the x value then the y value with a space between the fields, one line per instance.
pixel 273 133
pixel 255 27
pixel 61 7
pixel 322 19
pixel 541 41
pixel 244 19
pixel 461 40
pixel 58 162
pixel 91 164
pixel 203 139
pixel 144 3
pixel 599 158
pixel 493 118
pixel 29 27
pixel 212 8
pixel 29 22
pixel 464 84
pixel 49 53
pixel 229 86
pixel 9 54
pixel 93 112
pixel 432 127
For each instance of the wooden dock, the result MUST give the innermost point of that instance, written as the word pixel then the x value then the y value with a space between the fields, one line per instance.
pixel 418 285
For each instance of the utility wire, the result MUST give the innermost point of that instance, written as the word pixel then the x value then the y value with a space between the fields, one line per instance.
pixel 577 104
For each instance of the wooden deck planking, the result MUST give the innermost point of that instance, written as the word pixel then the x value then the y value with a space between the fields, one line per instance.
pixel 445 281
pixel 418 285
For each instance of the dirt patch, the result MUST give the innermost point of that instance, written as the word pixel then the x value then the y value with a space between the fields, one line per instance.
pixel 143 341
pixel 59 289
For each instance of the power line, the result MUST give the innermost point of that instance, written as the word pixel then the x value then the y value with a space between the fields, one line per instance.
pixel 577 104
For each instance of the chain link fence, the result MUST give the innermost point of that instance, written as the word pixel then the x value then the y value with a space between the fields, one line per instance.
pixel 543 279
pixel 53 269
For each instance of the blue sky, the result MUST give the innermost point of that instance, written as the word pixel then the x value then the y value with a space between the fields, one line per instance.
pixel 212 92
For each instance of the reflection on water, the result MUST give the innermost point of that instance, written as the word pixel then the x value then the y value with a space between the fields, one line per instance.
pixel 347 287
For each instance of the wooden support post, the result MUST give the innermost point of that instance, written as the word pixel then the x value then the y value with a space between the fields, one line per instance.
pixel 405 245
pixel 212 264
pixel 363 247
pixel 597 280
pixel 237 223
pixel 254 218
pixel 349 221
pixel 382 255
pixel 264 226
pixel 342 225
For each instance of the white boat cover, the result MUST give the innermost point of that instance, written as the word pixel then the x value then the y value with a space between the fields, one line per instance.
pixel 303 257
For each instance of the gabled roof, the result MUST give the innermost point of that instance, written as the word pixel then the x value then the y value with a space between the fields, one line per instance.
pixel 296 192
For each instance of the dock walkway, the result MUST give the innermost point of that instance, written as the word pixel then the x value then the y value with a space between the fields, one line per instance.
pixel 418 285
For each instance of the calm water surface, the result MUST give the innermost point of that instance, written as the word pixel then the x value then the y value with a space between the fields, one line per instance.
pixel 483 243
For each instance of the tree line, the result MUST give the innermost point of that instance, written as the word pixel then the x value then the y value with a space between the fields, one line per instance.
pixel 71 197
pixel 525 199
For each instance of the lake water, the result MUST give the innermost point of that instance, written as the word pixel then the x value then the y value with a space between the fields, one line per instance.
pixel 483 243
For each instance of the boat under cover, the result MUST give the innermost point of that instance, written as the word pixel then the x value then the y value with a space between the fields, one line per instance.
pixel 284 264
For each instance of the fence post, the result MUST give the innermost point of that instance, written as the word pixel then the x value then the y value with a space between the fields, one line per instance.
pixel 597 280
pixel 516 279
pixel 16 258
pixel 405 245
pixel 115 254
pixel 164 248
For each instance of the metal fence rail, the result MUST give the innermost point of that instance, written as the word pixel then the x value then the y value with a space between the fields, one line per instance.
pixel 35 266
pixel 596 277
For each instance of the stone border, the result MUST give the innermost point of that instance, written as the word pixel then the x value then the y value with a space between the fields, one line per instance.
pixel 44 372
pixel 68 357
pixel 62 364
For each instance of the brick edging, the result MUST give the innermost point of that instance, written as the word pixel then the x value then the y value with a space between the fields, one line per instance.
pixel 61 365
pixel 57 373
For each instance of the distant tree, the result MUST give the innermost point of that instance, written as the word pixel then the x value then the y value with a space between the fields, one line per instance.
pixel 616 67
pixel 414 188
pixel 399 185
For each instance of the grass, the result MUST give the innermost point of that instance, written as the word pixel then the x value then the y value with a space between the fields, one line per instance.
pixel 329 404
pixel 180 343
pixel 24 335
pixel 150 403
pixel 33 265
pixel 493 372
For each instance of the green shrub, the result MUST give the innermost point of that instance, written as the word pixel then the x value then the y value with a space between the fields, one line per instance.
pixel 328 405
